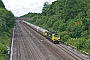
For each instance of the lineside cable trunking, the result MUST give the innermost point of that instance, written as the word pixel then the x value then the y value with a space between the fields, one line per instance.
pixel 11 50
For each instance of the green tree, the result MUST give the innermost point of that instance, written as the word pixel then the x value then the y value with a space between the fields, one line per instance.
pixel 1 4
pixel 7 19
pixel 45 7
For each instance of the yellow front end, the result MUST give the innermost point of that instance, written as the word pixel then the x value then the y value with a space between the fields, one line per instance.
pixel 55 38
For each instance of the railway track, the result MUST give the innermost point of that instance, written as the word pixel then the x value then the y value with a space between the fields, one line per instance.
pixel 43 44
pixel 72 54
pixel 32 49
pixel 19 48
pixel 77 56
pixel 30 45
pixel 24 46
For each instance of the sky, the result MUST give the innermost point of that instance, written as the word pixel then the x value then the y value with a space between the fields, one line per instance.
pixel 21 7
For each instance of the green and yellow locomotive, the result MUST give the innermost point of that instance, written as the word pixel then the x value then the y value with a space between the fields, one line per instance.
pixel 55 38
pixel 52 36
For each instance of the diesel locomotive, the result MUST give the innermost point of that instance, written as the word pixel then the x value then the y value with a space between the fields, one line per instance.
pixel 55 38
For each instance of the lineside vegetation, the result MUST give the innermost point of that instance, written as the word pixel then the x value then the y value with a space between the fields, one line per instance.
pixel 7 22
pixel 69 18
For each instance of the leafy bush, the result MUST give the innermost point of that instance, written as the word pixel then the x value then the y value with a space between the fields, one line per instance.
pixel 66 37
pixel 3 49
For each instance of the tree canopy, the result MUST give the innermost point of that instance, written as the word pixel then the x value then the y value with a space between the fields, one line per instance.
pixel 7 19
pixel 1 4
pixel 70 19
pixel 7 22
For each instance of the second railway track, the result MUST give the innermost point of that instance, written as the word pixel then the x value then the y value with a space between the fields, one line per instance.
pixel 57 52
pixel 77 56
pixel 30 45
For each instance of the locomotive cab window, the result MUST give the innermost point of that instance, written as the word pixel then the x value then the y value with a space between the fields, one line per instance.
pixel 56 35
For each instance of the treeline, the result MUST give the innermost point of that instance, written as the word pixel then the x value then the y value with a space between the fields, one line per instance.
pixel 69 18
pixel 7 22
